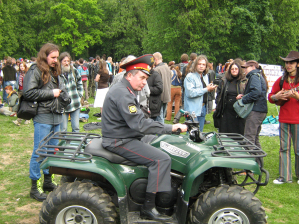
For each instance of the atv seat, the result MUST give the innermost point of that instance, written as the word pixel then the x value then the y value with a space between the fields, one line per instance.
pixel 95 148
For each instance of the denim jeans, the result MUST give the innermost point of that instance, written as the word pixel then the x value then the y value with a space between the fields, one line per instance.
pixel 162 115
pixel 40 131
pixel 8 83
pixel 74 120
pixel 201 118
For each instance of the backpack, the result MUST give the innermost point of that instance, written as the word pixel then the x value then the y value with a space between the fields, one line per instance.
pixel 182 66
pixel 83 72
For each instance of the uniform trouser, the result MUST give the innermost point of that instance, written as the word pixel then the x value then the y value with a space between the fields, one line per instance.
pixel 158 162
pixel 91 87
pixel 85 89
pixel 253 126
pixel 288 132
pixel 176 93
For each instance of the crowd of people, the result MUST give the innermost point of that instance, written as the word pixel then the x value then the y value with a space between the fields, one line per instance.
pixel 137 95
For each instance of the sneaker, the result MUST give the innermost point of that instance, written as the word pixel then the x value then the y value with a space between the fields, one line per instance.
pixel 99 118
pixel 297 181
pixel 280 180
pixel 27 122
pixel 16 123
pixel 13 115
pixel 207 122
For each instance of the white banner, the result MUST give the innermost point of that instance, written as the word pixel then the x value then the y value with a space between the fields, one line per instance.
pixel 272 72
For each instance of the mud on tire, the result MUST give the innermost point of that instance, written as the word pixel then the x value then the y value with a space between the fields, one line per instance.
pixel 227 204
pixel 78 202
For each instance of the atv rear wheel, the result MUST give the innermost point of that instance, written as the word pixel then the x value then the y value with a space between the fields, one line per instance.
pixel 227 205
pixel 78 203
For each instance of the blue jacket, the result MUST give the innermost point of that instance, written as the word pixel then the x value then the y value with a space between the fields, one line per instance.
pixel 256 91
pixel 194 92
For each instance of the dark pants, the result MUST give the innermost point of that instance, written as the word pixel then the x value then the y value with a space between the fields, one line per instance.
pixel 158 162
pixel 91 87
pixel 253 126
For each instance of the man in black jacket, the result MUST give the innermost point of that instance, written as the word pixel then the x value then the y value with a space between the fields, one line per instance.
pixel 155 85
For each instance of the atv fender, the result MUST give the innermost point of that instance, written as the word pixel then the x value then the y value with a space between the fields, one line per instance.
pixel 95 165
pixel 195 173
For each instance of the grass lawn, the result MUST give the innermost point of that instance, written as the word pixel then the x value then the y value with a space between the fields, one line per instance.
pixel 280 201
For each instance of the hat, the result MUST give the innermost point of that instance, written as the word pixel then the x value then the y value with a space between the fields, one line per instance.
pixel 142 63
pixel 91 58
pixel 292 56
pixel 251 63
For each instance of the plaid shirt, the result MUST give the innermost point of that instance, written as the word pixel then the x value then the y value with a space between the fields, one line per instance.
pixel 75 90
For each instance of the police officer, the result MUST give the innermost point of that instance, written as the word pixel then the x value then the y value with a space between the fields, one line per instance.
pixel 124 124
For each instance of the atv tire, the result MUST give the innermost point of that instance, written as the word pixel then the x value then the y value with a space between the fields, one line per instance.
pixel 78 203
pixel 67 179
pixel 227 204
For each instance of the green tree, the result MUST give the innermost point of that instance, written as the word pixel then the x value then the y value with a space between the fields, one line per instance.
pixel 77 24
pixel 9 40
pixel 123 28
pixel 284 36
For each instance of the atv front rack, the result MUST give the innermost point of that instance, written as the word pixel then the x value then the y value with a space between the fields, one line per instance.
pixel 74 147
pixel 228 142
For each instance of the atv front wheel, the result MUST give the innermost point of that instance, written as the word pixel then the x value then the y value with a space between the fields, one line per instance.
pixel 67 179
pixel 78 203
pixel 228 205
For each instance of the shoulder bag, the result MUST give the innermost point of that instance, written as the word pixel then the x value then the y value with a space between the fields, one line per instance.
pixel 27 109
pixel 243 110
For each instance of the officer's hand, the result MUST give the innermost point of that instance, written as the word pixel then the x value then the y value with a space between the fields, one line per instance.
pixel 183 127
pixel 56 92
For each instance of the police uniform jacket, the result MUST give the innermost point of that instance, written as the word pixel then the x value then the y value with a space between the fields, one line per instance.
pixel 122 117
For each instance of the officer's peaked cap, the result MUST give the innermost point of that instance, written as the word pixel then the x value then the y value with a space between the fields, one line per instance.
pixel 142 63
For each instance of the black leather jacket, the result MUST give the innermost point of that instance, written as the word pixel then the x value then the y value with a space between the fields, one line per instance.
pixel 34 90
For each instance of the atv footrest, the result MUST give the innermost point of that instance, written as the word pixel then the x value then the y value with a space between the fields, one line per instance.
pixel 134 218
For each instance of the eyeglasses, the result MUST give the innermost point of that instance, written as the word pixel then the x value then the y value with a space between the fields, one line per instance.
pixel 234 69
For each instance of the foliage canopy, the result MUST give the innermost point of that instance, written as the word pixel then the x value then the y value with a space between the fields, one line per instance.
pixel 221 29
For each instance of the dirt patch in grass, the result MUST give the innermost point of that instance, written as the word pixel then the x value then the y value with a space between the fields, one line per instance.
pixel 7 145
pixel 32 208
pixel 7 158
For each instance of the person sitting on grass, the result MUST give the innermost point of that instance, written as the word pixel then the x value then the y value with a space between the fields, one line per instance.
pixel 12 100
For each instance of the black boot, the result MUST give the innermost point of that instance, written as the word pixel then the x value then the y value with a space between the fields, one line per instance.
pixel 149 211
pixel 36 191
pixel 49 184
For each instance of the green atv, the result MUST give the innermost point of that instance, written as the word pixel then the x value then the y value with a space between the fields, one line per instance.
pixel 100 187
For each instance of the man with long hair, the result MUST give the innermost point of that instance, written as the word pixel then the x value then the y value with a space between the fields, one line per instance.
pixel 197 87
pixel 285 93
pixel 43 84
